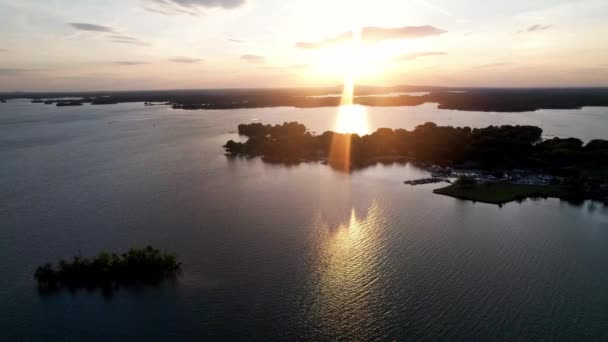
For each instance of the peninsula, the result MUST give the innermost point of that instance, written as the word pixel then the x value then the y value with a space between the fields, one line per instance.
pixel 506 162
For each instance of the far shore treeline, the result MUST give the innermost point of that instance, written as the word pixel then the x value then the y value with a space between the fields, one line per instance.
pixel 459 98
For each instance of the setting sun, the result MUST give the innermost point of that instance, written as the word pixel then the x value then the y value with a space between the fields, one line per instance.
pixel 352 119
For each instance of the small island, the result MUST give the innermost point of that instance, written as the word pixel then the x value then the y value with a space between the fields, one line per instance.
pixel 506 163
pixel 135 267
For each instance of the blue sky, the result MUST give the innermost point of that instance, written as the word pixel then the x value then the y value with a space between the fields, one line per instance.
pixel 161 44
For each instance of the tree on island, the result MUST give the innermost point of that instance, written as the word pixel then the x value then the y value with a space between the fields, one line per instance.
pixel 493 147
pixel 135 267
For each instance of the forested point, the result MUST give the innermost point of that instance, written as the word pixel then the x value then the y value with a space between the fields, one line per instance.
pixel 489 147
pixel 580 169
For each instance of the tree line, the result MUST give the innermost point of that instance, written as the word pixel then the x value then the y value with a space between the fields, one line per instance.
pixel 487 148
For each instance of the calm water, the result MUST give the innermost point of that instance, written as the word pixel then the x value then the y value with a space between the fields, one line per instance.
pixel 285 253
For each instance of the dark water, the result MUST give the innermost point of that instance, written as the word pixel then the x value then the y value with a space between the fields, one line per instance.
pixel 285 253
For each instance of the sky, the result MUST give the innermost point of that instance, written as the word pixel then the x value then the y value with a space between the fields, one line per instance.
pixel 65 45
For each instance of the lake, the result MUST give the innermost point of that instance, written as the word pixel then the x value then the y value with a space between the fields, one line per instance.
pixel 274 252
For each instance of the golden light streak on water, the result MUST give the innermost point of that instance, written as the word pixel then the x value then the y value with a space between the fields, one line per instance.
pixel 348 271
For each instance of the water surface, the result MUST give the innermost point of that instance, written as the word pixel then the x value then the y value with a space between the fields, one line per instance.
pixel 285 253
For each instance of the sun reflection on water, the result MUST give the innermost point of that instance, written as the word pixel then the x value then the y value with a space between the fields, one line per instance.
pixel 347 274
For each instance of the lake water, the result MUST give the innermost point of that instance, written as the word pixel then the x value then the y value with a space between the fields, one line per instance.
pixel 272 252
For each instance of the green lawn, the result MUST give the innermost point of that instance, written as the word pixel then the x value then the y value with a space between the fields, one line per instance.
pixel 500 193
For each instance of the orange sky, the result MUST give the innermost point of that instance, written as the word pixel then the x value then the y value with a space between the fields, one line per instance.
pixel 150 44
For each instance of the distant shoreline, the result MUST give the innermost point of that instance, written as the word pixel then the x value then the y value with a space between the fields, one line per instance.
pixel 466 99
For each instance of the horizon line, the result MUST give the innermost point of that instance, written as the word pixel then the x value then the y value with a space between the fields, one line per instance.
pixel 296 88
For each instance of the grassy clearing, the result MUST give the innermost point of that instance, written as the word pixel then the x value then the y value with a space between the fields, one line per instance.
pixel 500 193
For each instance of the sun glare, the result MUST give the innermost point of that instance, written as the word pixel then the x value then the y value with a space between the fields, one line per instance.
pixel 352 119
pixel 352 59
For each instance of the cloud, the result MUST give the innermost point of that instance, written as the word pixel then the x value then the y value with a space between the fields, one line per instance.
pixel 371 34
pixel 126 40
pixel 406 32
pixel 254 59
pixel 344 37
pixel 185 60
pixel 92 27
pixel 235 40
pixel 3 50
pixel 170 11
pixel 190 7
pixel 593 71
pixel 14 71
pixel 416 55
pixel 114 35
pixel 227 4
pixel 299 66
pixel 536 28
pixel 127 63
pixel 434 8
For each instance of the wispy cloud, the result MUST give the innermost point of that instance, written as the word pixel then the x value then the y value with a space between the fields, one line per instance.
pixel 113 35
pixel 235 40
pixel 536 28
pixel 92 27
pixel 126 40
pixel 185 60
pixel 299 66
pixel 341 38
pixel 592 70
pixel 3 50
pixel 406 32
pixel 190 7
pixel 14 71
pixel 434 7
pixel 371 34
pixel 254 59
pixel 166 10
pixel 416 55
pixel 128 63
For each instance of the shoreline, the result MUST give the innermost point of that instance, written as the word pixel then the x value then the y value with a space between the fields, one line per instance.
pixel 460 99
